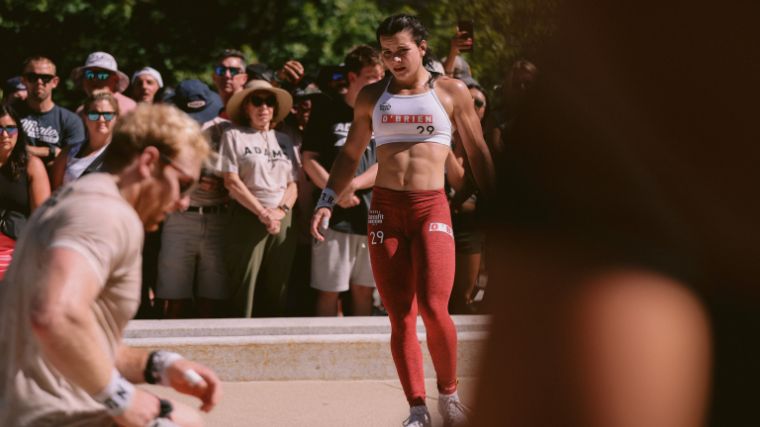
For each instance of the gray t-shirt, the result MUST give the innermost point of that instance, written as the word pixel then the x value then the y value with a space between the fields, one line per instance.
pixel 91 218
pixel 265 162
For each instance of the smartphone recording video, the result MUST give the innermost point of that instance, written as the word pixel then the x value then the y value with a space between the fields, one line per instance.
pixel 467 27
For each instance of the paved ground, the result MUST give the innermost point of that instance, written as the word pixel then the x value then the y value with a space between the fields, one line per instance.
pixel 317 403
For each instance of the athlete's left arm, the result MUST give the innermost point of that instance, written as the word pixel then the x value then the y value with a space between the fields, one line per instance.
pixel 467 124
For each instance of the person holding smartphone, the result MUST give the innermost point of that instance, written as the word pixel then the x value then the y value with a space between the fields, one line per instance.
pixel 463 41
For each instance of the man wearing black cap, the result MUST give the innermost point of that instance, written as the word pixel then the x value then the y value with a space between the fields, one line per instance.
pixel 14 90
pixel 191 241
pixel 49 127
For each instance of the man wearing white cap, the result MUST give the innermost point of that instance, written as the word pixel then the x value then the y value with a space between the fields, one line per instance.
pixel 100 72
pixel 146 82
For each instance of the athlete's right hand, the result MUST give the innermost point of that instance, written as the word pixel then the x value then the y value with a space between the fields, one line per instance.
pixel 319 222
pixel 143 409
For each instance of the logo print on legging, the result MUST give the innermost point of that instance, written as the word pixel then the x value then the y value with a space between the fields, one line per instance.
pixel 442 227
pixel 374 217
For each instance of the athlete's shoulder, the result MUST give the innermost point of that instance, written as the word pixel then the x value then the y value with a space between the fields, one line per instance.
pixel 370 93
pixel 450 84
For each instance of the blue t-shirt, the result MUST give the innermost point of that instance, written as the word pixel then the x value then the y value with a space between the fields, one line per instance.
pixel 58 127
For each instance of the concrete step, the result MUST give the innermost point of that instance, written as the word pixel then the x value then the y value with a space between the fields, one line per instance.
pixel 346 348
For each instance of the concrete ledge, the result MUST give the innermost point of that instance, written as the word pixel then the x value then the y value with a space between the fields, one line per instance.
pixel 348 348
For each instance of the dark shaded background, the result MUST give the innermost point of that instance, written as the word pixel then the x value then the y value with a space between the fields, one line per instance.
pixel 638 147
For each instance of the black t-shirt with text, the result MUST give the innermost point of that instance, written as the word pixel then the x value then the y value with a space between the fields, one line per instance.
pixel 325 135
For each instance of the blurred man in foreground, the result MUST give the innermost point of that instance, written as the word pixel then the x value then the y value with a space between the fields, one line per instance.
pixel 75 284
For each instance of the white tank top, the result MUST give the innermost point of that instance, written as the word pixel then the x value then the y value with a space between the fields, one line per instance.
pixel 410 118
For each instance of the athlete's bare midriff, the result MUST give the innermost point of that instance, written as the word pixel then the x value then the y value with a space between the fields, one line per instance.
pixel 408 166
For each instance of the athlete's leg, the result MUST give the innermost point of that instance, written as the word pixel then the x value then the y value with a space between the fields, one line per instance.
pixel 391 264
pixel 393 275
pixel 433 255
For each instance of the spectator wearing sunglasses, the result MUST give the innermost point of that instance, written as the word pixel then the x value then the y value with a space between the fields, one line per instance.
pixel 260 170
pixel 229 75
pixel 23 184
pixel 48 127
pixel 100 72
pixel 100 112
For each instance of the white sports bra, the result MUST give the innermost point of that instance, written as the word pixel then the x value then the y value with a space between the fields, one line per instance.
pixel 410 118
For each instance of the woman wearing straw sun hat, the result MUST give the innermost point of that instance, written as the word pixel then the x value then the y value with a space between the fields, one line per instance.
pixel 260 169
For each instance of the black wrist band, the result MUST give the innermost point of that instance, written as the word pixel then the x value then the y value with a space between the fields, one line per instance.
pixel 149 374
pixel 165 408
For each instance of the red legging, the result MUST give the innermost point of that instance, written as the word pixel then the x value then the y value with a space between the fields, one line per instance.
pixel 411 245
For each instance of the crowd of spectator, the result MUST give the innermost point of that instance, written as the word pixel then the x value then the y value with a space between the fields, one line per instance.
pixel 242 248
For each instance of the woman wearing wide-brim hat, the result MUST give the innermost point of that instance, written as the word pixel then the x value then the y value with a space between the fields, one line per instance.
pixel 260 168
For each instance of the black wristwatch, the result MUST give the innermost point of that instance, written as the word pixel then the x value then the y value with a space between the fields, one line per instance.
pixel 51 153
pixel 150 374
pixel 285 208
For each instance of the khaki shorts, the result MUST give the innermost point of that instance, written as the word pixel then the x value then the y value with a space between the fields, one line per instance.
pixel 340 260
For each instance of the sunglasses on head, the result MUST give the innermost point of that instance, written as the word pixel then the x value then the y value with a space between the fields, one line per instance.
pixel 221 70
pixel 10 130
pixel 33 77
pixel 93 116
pixel 186 182
pixel 258 101
pixel 100 75
pixel 479 103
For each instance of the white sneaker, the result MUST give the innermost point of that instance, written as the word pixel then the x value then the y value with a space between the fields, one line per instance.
pixel 453 411
pixel 418 417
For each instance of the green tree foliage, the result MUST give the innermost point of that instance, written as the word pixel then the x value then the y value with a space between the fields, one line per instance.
pixel 321 32
pixel 182 39
pixel 505 30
